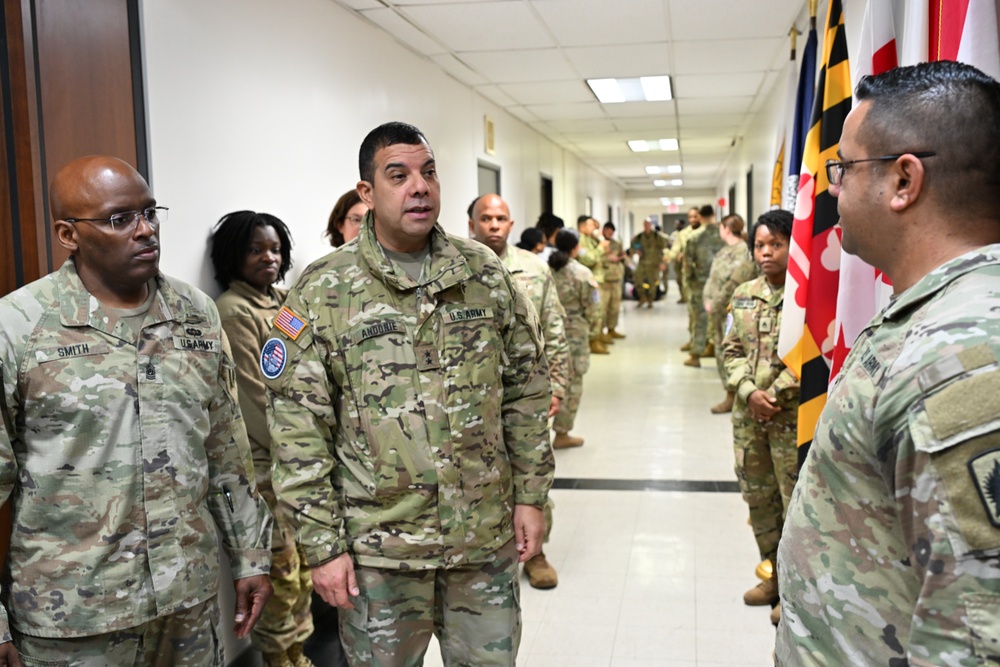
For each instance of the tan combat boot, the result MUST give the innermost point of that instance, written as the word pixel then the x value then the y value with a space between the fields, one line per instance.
pixel 540 572
pixel 597 347
pixel 277 660
pixel 725 406
pixel 693 360
pixel 615 334
pixel 709 351
pixel 565 440
pixel 686 347
pixel 297 657
pixel 764 593
pixel 776 614
pixel 607 339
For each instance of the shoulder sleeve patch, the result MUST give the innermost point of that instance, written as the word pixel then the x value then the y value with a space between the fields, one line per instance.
pixel 273 358
pixel 971 474
pixel 289 323
pixel 965 406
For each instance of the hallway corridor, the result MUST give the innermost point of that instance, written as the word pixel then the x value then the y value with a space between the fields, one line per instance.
pixel 650 540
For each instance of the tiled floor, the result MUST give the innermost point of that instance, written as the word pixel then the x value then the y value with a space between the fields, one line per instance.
pixel 647 578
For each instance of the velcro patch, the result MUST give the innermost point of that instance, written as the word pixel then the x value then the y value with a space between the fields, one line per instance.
pixel 743 303
pixel 289 323
pixel 197 344
pixel 985 471
pixel 67 351
pixel 970 474
pixel 465 314
pixel 377 329
pixel 273 357
pixel 964 405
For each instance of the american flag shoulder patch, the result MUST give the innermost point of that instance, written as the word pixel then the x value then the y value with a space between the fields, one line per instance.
pixel 289 323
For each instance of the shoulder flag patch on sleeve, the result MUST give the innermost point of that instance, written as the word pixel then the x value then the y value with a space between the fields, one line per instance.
pixel 288 322
pixel 272 358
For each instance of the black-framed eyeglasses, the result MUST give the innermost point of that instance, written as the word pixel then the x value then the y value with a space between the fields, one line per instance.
pixel 128 220
pixel 835 168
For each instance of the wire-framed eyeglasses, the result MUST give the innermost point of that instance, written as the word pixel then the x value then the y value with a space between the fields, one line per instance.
pixel 127 221
pixel 835 168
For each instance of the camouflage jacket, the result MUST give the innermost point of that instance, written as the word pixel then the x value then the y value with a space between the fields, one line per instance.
pixel 614 272
pixel 247 316
pixel 676 252
pixel 750 348
pixel 579 295
pixel 407 418
pixel 535 277
pixel 699 251
pixel 119 460
pixel 891 547
pixel 731 267
pixel 651 247
pixel 591 255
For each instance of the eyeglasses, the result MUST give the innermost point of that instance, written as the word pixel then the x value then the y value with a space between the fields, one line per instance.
pixel 835 168
pixel 355 219
pixel 128 220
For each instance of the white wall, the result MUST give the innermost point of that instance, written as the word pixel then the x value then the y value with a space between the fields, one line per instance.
pixel 263 105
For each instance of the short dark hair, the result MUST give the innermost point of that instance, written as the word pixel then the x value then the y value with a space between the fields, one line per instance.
pixel 566 240
pixel 706 211
pixel 231 241
pixel 549 224
pixel 582 219
pixel 472 206
pixel 778 222
pixel 387 134
pixel 347 201
pixel 530 237
pixel 947 107
pixel 610 225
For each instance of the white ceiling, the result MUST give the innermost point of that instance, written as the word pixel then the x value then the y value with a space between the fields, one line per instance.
pixel 531 57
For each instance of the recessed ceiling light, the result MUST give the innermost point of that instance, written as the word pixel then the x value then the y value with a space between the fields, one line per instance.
pixel 643 145
pixel 673 169
pixel 659 183
pixel 669 169
pixel 652 170
pixel 636 89
pixel 676 181
pixel 667 201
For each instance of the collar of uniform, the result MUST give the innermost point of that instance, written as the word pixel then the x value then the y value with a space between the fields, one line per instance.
pixel 937 280
pixel 79 308
pixel 273 297
pixel 448 265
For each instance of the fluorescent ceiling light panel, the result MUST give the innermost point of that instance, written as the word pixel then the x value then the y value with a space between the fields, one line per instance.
pixel 652 170
pixel 669 169
pixel 659 183
pixel 676 181
pixel 673 169
pixel 643 145
pixel 636 89
pixel 639 146
pixel 667 201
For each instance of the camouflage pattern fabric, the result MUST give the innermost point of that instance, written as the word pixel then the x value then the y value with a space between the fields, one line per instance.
pixel 766 459
pixel 395 615
pixel 191 637
pixel 611 288
pixel 613 271
pixel 731 267
pixel 699 251
pixel 651 246
pixel 247 316
pixel 535 277
pixel 591 255
pixel 120 459
pixel 891 550
pixel 676 255
pixel 578 294
pixel 407 418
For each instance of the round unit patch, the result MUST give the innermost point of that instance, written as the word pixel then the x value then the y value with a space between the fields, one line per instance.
pixel 272 358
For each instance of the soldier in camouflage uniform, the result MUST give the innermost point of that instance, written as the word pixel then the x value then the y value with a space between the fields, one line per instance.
pixel 490 223
pixel 122 447
pixel 676 255
pixel 765 413
pixel 251 252
pixel 614 278
pixel 650 245
pixel 408 393
pixel 732 266
pixel 699 251
pixel 578 294
pixel 591 255
pixel 891 550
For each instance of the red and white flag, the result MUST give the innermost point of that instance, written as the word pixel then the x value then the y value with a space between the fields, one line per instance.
pixel 961 30
pixel 864 290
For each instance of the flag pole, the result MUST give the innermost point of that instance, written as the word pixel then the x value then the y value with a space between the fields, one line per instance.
pixel 813 6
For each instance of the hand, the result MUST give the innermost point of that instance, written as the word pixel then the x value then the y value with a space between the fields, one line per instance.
pixel 708 307
pixel 554 406
pixel 9 656
pixel 335 580
pixel 762 406
pixel 663 267
pixel 252 593
pixel 529 531
pixel 604 244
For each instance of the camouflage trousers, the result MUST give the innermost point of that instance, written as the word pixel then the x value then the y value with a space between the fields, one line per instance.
pixel 717 331
pixel 287 619
pixel 597 326
pixel 646 277
pixel 579 363
pixel 697 317
pixel 474 611
pixel 766 467
pixel 191 636
pixel 679 275
pixel 611 300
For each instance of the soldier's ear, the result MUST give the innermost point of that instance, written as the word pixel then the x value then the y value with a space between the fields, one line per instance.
pixel 365 192
pixel 66 235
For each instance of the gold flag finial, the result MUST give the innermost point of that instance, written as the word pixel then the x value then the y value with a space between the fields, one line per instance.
pixel 793 33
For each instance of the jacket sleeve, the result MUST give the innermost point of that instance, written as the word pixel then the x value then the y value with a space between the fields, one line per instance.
pixel 525 404
pixel 302 422
pixel 245 342
pixel 553 319
pixel 238 509
pixel 739 374
pixel 9 402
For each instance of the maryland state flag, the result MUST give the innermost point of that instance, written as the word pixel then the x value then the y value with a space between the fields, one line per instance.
pixel 806 340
